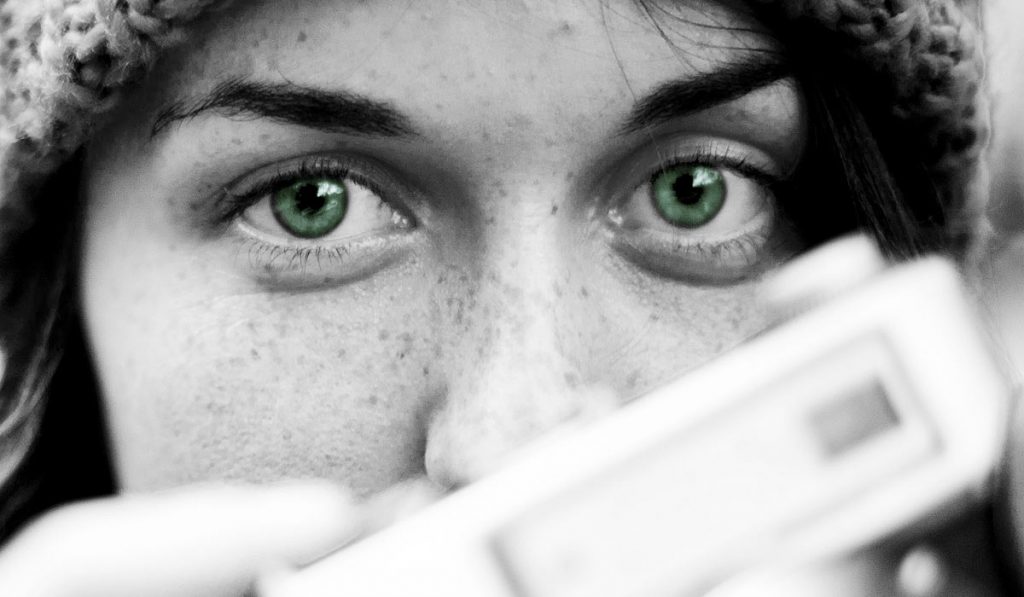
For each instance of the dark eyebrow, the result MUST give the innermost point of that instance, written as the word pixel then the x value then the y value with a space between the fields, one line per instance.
pixel 334 111
pixel 680 98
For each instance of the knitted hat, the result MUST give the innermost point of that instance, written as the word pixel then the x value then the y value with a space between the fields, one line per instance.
pixel 63 63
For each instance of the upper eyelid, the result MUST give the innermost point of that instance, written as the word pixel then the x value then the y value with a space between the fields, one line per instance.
pixel 728 162
pixel 661 154
pixel 316 165
pixel 246 190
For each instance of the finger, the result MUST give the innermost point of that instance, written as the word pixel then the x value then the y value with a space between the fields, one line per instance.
pixel 212 541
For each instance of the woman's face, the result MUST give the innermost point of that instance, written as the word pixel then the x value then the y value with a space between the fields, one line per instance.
pixel 368 240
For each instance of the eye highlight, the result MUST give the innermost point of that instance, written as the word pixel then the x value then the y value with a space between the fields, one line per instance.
pixel 319 220
pixel 708 214
pixel 688 195
pixel 310 208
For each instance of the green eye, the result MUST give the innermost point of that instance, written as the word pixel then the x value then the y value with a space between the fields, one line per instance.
pixel 688 196
pixel 310 208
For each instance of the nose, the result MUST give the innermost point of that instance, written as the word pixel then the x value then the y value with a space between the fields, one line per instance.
pixel 514 373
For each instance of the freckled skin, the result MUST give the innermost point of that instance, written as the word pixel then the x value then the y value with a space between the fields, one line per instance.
pixel 508 315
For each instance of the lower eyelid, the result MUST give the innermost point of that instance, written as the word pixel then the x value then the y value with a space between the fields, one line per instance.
pixel 729 260
pixel 317 266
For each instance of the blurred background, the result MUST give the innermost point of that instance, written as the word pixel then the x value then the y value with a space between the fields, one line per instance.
pixel 1004 279
pixel 1006 24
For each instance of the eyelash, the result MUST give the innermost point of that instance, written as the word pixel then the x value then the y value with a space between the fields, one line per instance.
pixel 301 263
pixel 744 250
pixel 234 203
pixel 265 254
pixel 237 198
pixel 712 157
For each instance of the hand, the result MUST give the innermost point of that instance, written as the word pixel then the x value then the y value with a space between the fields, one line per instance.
pixel 197 542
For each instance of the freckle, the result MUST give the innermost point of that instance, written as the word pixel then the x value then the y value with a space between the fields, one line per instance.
pixel 254 353
pixel 383 335
pixel 571 379
pixel 426 371
pixel 564 29
pixel 554 209
pixel 584 292
pixel 372 400
pixel 302 37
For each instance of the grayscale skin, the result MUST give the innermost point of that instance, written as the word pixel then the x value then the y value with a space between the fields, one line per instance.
pixel 501 269
pixel 530 282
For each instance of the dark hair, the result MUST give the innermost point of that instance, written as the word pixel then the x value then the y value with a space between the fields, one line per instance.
pixel 50 414
pixel 862 168
pixel 859 172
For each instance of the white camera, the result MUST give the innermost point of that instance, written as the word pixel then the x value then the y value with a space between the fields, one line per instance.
pixel 876 410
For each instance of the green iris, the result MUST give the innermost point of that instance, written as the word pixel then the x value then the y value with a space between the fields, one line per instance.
pixel 310 208
pixel 688 196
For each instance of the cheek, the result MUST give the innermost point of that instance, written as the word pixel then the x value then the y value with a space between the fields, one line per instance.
pixel 205 384
pixel 656 332
pixel 634 331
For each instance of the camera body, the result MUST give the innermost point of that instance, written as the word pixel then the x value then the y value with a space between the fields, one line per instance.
pixel 852 420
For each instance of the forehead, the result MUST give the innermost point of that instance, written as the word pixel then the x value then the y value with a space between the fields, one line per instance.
pixel 413 49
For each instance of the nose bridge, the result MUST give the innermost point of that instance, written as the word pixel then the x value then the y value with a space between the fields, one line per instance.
pixel 510 377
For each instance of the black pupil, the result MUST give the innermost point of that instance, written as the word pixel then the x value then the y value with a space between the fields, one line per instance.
pixel 685 191
pixel 308 199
